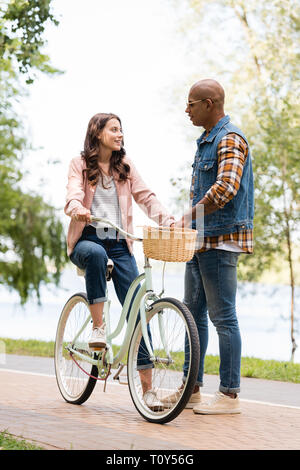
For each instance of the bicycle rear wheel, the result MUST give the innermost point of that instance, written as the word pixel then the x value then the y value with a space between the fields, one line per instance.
pixel 74 384
pixel 176 349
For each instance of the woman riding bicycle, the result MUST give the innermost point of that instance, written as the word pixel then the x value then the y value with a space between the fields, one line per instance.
pixel 101 183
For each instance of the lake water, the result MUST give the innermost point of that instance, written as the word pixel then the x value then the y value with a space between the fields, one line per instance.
pixel 263 312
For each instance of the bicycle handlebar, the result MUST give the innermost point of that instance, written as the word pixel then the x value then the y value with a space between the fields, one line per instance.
pixel 120 230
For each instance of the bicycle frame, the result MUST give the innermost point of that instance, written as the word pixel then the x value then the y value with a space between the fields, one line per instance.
pixel 144 294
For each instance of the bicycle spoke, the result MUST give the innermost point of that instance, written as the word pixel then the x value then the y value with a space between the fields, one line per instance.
pixel 171 343
pixel 72 380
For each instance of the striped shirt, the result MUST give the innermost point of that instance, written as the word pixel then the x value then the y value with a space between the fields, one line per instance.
pixel 232 153
pixel 106 203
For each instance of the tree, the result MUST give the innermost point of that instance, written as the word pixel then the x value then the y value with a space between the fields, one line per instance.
pixel 32 242
pixel 257 54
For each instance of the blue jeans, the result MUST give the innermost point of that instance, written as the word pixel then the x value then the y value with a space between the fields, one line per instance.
pixel 91 254
pixel 210 288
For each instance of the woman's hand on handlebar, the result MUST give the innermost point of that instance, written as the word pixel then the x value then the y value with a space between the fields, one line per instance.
pixel 82 215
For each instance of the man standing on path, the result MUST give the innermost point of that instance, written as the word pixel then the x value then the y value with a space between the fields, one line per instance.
pixel 222 181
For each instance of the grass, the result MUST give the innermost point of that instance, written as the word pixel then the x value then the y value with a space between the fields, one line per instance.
pixel 29 347
pixel 260 369
pixel 250 366
pixel 9 442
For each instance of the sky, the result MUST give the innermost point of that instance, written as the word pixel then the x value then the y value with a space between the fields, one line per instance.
pixel 124 57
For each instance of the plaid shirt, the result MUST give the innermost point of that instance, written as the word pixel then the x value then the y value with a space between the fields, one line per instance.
pixel 232 154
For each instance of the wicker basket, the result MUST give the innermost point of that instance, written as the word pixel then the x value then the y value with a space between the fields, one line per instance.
pixel 167 244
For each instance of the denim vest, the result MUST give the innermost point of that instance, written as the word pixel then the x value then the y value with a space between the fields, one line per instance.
pixel 237 214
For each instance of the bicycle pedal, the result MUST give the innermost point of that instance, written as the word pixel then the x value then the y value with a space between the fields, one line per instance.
pixel 122 378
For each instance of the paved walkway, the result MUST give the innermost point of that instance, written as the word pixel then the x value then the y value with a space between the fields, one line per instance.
pixel 32 407
pixel 269 391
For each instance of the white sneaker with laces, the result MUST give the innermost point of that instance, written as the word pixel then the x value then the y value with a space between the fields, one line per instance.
pixel 98 338
pixel 172 399
pixel 218 405
pixel 151 400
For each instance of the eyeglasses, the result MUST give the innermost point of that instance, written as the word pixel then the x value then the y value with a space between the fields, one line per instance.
pixel 197 101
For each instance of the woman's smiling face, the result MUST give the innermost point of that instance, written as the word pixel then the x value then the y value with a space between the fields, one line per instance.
pixel 111 135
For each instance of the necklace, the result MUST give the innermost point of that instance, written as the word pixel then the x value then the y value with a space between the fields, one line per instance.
pixel 104 171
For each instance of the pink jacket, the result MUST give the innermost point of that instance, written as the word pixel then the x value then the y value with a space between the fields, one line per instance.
pixel 80 193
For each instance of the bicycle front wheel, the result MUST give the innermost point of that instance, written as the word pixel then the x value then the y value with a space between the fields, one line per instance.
pixel 176 352
pixel 76 380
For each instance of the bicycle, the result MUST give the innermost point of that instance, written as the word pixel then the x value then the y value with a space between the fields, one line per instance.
pixel 172 347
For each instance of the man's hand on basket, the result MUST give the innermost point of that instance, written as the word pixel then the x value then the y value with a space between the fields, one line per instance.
pixel 207 208
pixel 185 221
pixel 179 223
pixel 176 224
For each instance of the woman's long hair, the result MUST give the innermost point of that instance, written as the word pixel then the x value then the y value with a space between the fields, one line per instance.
pixel 91 151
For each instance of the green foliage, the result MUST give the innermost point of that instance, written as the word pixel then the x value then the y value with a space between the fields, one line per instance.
pixel 257 60
pixel 9 442
pixel 253 367
pixel 28 347
pixel 260 71
pixel 35 347
pixel 32 242
pixel 276 164
pixel 22 24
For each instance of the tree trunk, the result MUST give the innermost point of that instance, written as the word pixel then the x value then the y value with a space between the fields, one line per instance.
pixel 292 280
pixel 245 24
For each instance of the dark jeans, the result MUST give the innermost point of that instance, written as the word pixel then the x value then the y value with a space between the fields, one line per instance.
pixel 210 288
pixel 91 254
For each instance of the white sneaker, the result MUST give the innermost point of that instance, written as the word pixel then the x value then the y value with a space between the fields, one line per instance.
pixel 151 400
pixel 218 405
pixel 98 338
pixel 172 399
